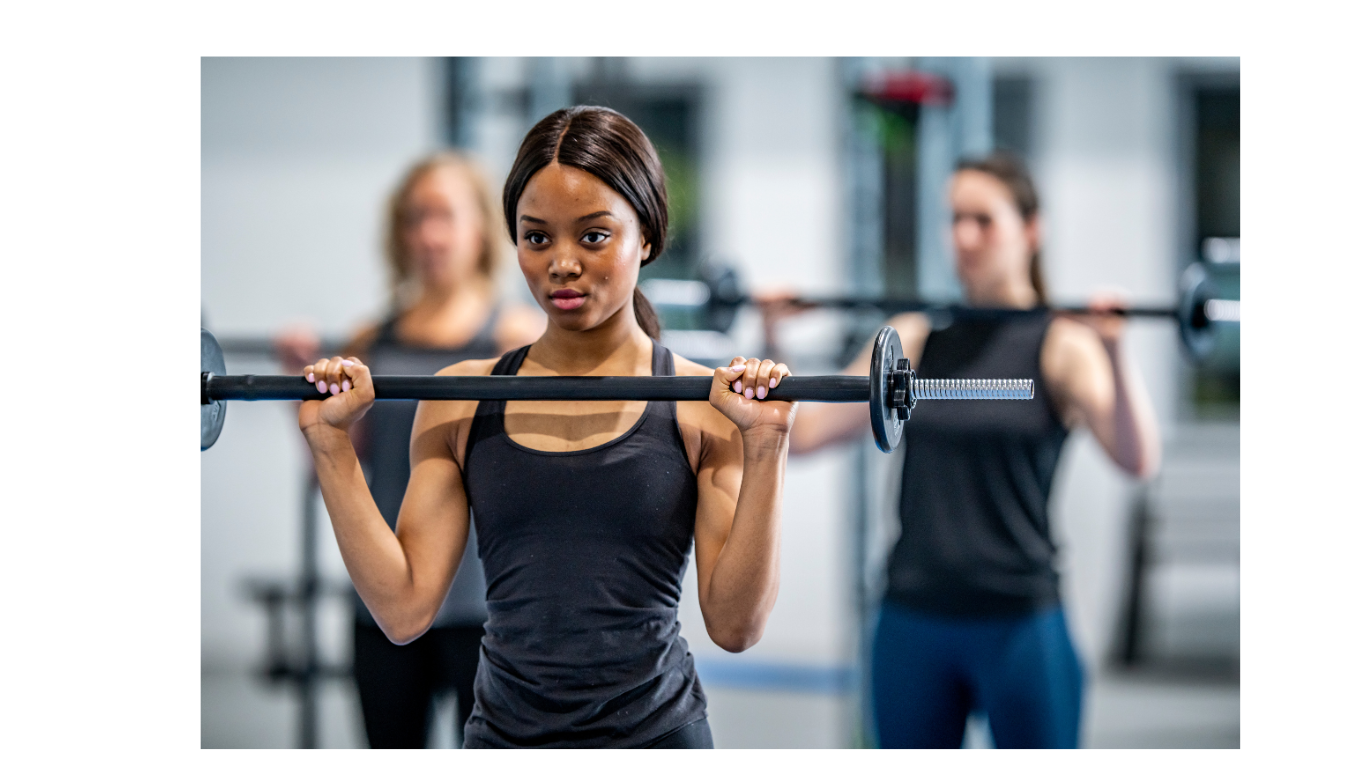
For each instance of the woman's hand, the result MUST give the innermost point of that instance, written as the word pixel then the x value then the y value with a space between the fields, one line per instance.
pixel 739 392
pixel 352 394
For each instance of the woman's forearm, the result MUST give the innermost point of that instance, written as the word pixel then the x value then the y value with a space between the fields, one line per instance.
pixel 744 582
pixel 373 555
pixel 1137 445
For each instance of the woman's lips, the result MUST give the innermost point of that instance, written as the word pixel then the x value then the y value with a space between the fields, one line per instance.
pixel 568 299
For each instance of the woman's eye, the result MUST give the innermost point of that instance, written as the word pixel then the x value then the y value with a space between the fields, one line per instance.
pixel 536 238
pixel 593 238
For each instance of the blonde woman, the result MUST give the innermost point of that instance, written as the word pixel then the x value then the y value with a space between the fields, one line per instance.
pixel 443 245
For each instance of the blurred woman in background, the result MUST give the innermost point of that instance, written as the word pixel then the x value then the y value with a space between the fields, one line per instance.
pixel 972 618
pixel 443 249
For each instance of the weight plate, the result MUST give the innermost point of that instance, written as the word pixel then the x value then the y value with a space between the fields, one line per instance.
pixel 211 415
pixel 1197 332
pixel 886 425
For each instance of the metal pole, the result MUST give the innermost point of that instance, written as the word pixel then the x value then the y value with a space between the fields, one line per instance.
pixel 308 594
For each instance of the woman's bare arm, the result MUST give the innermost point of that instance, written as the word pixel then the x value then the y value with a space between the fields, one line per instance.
pixel 403 576
pixel 819 425
pixel 1095 382
pixel 739 508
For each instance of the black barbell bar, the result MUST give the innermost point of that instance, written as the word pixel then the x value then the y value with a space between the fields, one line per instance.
pixel 891 389
pixel 719 296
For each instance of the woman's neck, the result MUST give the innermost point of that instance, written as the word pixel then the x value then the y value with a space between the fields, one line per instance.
pixel 1009 293
pixel 435 298
pixel 615 347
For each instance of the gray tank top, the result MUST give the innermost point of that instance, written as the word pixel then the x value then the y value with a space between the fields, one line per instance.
pixel 388 428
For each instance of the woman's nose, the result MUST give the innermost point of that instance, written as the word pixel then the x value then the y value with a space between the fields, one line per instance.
pixel 434 232
pixel 966 234
pixel 564 265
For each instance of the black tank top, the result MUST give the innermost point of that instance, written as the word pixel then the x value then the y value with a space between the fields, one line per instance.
pixel 974 490
pixel 388 429
pixel 585 553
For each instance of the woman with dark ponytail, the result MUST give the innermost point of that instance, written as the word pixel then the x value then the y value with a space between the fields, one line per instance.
pixel 972 618
pixel 586 511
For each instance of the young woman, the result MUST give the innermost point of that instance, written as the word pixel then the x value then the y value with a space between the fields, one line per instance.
pixel 972 619
pixel 586 511
pixel 443 248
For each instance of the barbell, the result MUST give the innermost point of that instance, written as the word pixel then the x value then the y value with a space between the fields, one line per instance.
pixel 719 296
pixel 891 388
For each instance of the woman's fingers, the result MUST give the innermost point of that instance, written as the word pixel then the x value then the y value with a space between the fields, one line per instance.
pixel 752 378
pixel 733 374
pixel 770 374
pixel 336 375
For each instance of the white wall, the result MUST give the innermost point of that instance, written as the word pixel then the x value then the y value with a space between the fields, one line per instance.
pixel 298 156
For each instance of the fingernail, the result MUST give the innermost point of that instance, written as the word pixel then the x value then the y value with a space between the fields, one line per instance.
pixel 762 392
pixel 346 385
pixel 322 387
pixel 736 387
pixel 749 394
pixel 347 363
pixel 772 383
pixel 309 377
pixel 739 367
pixel 334 389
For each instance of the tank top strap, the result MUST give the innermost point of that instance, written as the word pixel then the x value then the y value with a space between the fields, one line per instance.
pixel 488 416
pixel 662 364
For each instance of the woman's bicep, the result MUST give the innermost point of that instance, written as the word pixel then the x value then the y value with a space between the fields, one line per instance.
pixel 1074 367
pixel 433 522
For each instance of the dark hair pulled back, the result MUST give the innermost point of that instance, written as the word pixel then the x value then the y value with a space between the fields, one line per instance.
pixel 1011 171
pixel 608 145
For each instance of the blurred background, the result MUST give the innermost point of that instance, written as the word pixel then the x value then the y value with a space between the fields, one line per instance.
pixel 823 175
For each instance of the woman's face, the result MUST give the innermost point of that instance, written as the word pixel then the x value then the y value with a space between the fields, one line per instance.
pixel 992 243
pixel 580 245
pixel 442 228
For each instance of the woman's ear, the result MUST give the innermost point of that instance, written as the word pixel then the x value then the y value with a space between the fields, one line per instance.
pixel 646 248
pixel 1033 232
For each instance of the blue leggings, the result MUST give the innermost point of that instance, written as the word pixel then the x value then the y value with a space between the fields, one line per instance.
pixel 930 672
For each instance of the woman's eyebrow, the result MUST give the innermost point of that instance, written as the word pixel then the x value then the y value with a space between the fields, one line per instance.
pixel 585 217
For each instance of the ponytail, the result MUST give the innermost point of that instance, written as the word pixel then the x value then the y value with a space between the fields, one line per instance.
pixel 646 317
pixel 1036 277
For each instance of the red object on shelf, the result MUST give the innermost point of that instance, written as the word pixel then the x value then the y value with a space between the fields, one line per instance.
pixel 910 86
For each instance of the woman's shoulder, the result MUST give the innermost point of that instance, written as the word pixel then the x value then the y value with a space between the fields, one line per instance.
pixel 1066 340
pixel 699 413
pixel 912 327
pixel 470 368
pixel 685 367
pixel 456 413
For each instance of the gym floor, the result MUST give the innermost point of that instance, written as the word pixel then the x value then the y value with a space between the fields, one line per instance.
pixel 1126 710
